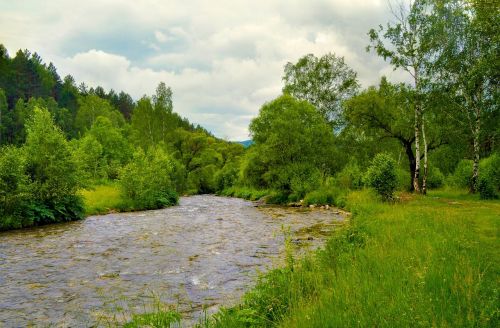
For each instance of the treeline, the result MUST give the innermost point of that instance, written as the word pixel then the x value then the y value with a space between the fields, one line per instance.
pixel 58 138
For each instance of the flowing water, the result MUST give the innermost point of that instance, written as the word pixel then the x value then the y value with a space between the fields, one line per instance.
pixel 199 255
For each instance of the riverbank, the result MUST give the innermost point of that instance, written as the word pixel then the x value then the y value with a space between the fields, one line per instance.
pixel 107 198
pixel 423 261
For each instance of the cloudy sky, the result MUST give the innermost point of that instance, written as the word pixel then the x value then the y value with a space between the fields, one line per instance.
pixel 223 59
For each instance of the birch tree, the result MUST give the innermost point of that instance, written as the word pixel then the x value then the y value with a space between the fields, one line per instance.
pixel 467 65
pixel 405 43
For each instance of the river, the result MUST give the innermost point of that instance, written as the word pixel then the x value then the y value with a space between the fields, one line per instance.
pixel 201 254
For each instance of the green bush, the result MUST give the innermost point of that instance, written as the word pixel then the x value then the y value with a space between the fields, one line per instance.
pixel 146 182
pixel 350 177
pixel 490 168
pixel 227 176
pixel 39 182
pixel 435 178
pixel 462 176
pixel 486 188
pixel 382 177
pixel 489 177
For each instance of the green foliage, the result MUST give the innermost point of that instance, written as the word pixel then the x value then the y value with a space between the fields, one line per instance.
pixel 435 178
pixel 386 269
pixel 146 182
pixel 116 150
pixel 50 164
pixel 381 176
pixel 462 177
pixel 489 179
pixel 350 177
pixel 245 193
pixel 490 169
pixel 486 188
pixel 38 183
pixel 91 107
pixel 325 82
pixel 227 176
pixel 294 143
pixel 13 188
pixel 103 199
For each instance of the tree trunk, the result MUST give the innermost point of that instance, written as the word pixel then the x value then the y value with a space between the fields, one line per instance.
pixel 411 161
pixel 416 176
pixel 424 179
pixel 418 114
pixel 475 167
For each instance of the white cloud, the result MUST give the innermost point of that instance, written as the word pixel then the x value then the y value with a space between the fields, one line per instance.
pixel 223 60
pixel 160 37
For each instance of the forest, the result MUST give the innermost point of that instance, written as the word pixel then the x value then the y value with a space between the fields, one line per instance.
pixel 69 150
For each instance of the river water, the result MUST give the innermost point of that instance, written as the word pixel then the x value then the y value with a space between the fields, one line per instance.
pixel 199 255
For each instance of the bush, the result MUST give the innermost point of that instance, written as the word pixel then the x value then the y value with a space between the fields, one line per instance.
pixel 435 178
pixel 146 182
pixel 227 176
pixel 486 188
pixel 382 177
pixel 490 168
pixel 462 176
pixel 350 177
pixel 489 177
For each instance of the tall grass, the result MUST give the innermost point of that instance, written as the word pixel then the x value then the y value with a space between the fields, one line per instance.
pixel 421 262
pixel 102 199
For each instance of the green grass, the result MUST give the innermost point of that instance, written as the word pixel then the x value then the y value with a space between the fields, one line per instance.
pixel 102 199
pixel 421 262
pixel 245 193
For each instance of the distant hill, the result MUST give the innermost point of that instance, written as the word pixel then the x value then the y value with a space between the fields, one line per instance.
pixel 245 143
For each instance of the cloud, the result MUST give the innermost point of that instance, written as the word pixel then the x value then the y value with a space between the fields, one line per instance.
pixel 223 60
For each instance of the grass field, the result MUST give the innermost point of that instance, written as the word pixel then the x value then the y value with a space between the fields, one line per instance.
pixel 422 262
pixel 102 199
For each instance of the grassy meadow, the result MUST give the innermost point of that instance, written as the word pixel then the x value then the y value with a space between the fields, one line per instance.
pixel 102 199
pixel 420 262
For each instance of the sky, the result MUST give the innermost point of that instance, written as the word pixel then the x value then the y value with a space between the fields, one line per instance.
pixel 222 59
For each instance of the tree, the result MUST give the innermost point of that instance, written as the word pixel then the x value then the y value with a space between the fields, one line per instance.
pixel 467 65
pixel 13 188
pixel 409 49
pixel 325 82
pixel 295 143
pixel 147 182
pixel 4 117
pixel 116 150
pixel 381 176
pixel 53 174
pixel 385 113
pixel 153 121
pixel 91 107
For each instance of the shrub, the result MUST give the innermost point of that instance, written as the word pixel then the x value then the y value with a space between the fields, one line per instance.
pixel 489 177
pixel 462 176
pixel 350 177
pixel 490 168
pixel 435 178
pixel 146 181
pixel 486 188
pixel 227 176
pixel 382 177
